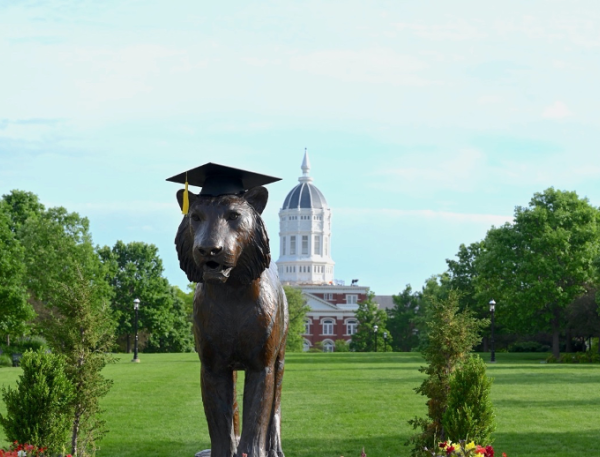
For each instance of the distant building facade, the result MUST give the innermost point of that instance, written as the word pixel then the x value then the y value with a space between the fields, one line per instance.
pixel 305 261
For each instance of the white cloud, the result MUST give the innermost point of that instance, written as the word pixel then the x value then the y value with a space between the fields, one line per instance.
pixel 426 215
pixel 455 171
pixel 489 99
pixel 457 31
pixel 558 110
pixel 370 65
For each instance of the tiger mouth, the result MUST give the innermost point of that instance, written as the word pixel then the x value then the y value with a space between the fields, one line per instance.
pixel 216 270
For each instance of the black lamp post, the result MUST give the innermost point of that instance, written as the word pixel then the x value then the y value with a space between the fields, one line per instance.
pixel 384 341
pixel 375 328
pixel 492 312
pixel 136 307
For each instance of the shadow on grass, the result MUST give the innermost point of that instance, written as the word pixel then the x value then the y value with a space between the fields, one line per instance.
pixel 540 379
pixel 513 444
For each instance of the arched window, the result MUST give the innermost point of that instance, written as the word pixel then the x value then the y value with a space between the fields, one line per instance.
pixel 328 346
pixel 327 326
pixel 307 325
pixel 306 345
pixel 351 326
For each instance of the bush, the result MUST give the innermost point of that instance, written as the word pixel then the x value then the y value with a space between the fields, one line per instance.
pixel 39 410
pixel 31 343
pixel 341 346
pixel 578 357
pixel 469 414
pixel 5 360
pixel 528 346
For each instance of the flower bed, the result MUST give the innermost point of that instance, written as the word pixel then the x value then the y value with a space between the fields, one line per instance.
pixel 25 450
pixel 462 449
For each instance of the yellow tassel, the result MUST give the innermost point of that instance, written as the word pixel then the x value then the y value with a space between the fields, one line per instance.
pixel 186 198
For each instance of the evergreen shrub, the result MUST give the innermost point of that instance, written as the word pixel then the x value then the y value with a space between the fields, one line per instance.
pixel 39 410
pixel 469 414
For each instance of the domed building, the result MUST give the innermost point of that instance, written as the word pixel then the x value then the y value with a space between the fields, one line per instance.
pixel 305 234
pixel 305 261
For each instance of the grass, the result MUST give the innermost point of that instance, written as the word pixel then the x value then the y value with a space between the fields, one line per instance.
pixel 334 404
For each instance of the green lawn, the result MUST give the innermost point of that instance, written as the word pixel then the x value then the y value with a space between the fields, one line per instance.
pixel 334 404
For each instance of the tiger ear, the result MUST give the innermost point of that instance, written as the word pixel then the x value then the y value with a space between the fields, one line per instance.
pixel 257 197
pixel 180 192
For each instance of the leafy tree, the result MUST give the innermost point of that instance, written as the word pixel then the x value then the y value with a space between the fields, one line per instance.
pixel 175 335
pixel 436 288
pixel 451 336
pixel 297 309
pixel 368 315
pixel 58 246
pixel 15 311
pixel 21 206
pixel 136 271
pixel 583 317
pixel 38 411
pixel 79 326
pixel 538 265
pixel 401 319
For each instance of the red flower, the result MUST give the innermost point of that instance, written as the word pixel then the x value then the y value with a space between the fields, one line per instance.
pixel 489 451
pixel 443 445
pixel 504 454
pixel 449 450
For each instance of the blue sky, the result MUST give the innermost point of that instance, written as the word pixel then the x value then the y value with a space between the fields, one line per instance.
pixel 426 122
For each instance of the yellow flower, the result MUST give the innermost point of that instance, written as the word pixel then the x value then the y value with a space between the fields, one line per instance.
pixel 470 446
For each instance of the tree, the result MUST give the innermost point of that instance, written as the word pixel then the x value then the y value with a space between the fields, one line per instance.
pixel 21 206
pixel 401 319
pixel 451 336
pixel 297 309
pixel 15 311
pixel 79 326
pixel 174 334
pixel 538 265
pixel 368 314
pixel 136 271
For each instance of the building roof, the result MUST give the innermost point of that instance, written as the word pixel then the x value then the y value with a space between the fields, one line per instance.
pixel 305 195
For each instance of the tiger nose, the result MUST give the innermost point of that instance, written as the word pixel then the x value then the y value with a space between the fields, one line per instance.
pixel 210 250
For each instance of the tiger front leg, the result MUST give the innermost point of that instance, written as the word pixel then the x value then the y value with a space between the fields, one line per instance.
pixel 218 392
pixel 259 393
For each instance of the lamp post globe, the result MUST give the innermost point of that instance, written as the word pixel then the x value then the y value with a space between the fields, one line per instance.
pixel 136 307
pixel 375 328
pixel 493 349
pixel 384 341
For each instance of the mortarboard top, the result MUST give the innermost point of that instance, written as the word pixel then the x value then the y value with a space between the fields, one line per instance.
pixel 218 179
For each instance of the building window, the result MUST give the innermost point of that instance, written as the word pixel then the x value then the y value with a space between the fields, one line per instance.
pixel 306 345
pixel 328 296
pixel 317 245
pixel 305 244
pixel 351 327
pixel 328 346
pixel 352 299
pixel 328 327
pixel 283 246
pixel 307 324
pixel 292 245
pixel 325 242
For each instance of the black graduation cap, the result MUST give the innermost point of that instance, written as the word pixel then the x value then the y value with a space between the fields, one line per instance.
pixel 218 179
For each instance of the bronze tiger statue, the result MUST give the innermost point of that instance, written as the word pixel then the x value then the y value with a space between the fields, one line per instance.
pixel 240 319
